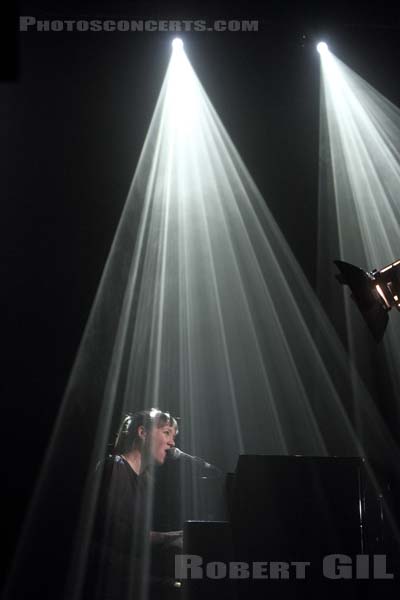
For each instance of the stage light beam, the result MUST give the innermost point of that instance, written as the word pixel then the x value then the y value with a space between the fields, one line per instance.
pixel 322 48
pixel 202 309
pixel 359 193
pixel 177 44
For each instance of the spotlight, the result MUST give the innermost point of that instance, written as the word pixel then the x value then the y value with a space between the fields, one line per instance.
pixel 177 44
pixel 322 48
pixel 375 292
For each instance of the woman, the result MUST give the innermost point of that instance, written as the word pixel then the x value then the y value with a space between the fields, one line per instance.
pixel 123 541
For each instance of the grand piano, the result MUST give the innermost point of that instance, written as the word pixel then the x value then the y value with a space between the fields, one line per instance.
pixel 284 527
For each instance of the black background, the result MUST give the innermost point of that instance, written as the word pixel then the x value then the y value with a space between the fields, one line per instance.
pixel 75 118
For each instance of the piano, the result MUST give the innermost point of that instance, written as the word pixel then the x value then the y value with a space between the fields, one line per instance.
pixel 291 527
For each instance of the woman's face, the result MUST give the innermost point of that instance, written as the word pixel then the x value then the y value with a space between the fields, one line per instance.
pixel 161 440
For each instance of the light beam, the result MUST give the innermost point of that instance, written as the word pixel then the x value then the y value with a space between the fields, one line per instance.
pixel 177 44
pixel 322 48
pixel 359 197
pixel 203 310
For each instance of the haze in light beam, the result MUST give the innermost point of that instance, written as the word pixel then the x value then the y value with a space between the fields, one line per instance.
pixel 202 310
pixel 359 191
pixel 210 322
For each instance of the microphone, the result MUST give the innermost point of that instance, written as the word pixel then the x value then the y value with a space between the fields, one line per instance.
pixel 177 454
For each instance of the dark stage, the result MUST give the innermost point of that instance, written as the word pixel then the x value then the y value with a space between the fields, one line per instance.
pixel 77 106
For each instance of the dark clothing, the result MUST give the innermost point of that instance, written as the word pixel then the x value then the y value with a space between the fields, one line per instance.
pixel 120 549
